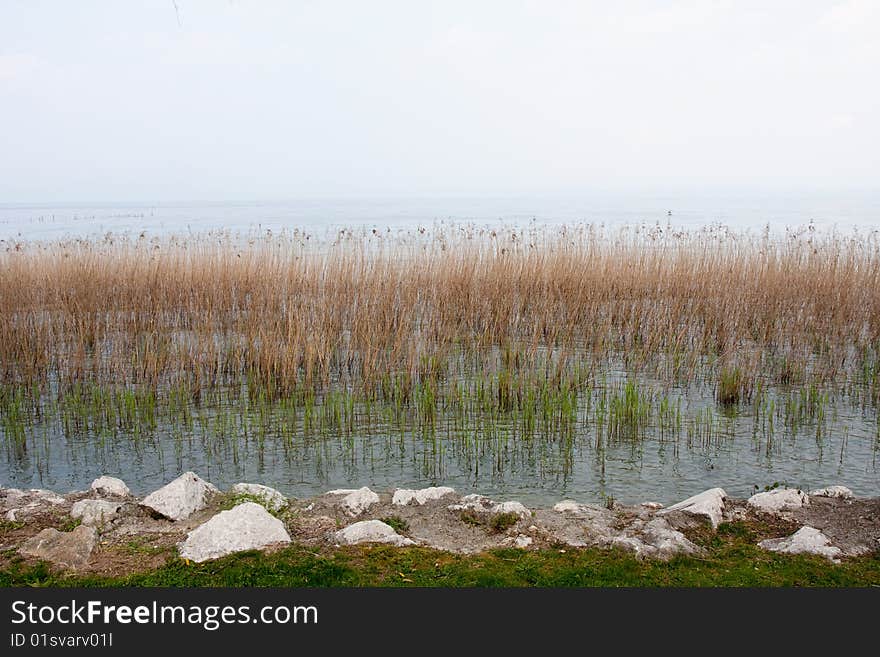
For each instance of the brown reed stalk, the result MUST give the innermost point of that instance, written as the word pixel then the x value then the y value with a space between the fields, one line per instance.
pixel 291 310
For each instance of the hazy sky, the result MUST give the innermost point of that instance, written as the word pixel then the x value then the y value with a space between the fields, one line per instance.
pixel 240 99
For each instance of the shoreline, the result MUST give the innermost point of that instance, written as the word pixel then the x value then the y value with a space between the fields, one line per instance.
pixel 106 533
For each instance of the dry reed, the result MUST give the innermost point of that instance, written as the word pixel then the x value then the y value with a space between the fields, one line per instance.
pixel 369 310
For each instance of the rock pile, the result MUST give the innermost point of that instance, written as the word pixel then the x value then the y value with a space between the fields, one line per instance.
pixel 204 523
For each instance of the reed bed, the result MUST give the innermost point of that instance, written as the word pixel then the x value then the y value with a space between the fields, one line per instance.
pixel 493 352
pixel 384 312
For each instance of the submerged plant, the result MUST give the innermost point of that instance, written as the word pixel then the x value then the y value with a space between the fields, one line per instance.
pixel 733 387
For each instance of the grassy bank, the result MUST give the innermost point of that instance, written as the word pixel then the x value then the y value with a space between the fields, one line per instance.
pixel 731 559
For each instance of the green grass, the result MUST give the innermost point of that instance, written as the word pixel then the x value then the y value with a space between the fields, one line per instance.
pixel 140 545
pixel 731 559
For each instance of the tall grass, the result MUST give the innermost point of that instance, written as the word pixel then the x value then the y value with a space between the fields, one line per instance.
pixel 390 314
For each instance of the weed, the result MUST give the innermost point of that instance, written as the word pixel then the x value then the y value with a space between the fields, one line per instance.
pixel 142 546
pixel 501 522
pixel 471 518
pixel 732 387
pixel 69 524
pixel 397 523
pixel 11 525
pixel 769 487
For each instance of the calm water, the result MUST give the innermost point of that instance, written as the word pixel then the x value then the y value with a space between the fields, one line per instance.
pixel 752 211
pixel 236 440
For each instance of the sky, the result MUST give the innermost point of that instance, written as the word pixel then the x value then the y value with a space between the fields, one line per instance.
pixel 240 99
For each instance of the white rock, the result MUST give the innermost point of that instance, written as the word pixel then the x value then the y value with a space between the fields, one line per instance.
pixel 841 492
pixel 482 504
pixel 370 531
pixel 806 540
pixel 247 526
pixel 709 504
pixel 512 507
pixel 576 508
pixel 522 541
pixel 405 496
pixel 631 544
pixel 271 498
pixel 181 498
pixel 95 512
pixel 472 502
pixel 356 501
pixel 568 506
pixel 780 499
pixel 666 540
pixel 654 506
pixel 110 486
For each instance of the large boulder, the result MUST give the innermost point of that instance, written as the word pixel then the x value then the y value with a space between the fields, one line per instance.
pixel 806 540
pixel 708 504
pixel 638 531
pixel 180 498
pixel 356 501
pixel 666 540
pixel 370 531
pixel 269 497
pixel 576 524
pixel 66 549
pixel 110 486
pixel 654 538
pixel 247 526
pixel 406 496
pixel 95 512
pixel 780 499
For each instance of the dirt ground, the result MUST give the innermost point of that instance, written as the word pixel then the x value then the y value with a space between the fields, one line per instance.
pixel 853 526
